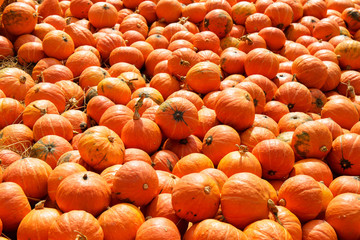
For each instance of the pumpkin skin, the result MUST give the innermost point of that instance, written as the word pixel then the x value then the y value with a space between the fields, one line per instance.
pixel 295 95
pixel 214 229
pixel 207 120
pixel 10 110
pixel 261 61
pixel 266 122
pixel 161 206
pixel 164 160
pixel 267 229
pixel 204 77
pixel 31 174
pixel 37 222
pixel 121 221
pixel 136 182
pixel 311 140
pixel 192 163
pixel 239 193
pixel 19 18
pixel 303 196
pixel 219 141
pixel 234 100
pixel 73 156
pixel 196 197
pixel 183 147
pixel 50 148
pixel 83 185
pixel 36 109
pixel 290 121
pixel 58 44
pixel 14 205
pixel 343 215
pixel 349 57
pixel 343 156
pixel 101 147
pixel 289 221
pixel 59 174
pixel 15 83
pixel 167 181
pixel 345 184
pixel 253 135
pixel 216 174
pixel 317 230
pixel 76 224
pixel 177 118
pixel 52 124
pixel 97 105
pixel 158 228
pixel 7 157
pixel 218 21
pixel 16 137
pixel 240 161
pixel 276 158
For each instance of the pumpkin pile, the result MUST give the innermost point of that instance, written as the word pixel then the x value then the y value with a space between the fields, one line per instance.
pixel 180 119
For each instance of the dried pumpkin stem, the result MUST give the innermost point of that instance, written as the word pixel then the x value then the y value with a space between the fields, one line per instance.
pixel 138 105
pixel 274 210
pixel 80 236
pixel 40 205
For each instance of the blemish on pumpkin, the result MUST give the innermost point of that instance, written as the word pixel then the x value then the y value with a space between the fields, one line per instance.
pixel 302 141
pixel 345 164
pixel 145 186
pixel 208 140
pixel 271 172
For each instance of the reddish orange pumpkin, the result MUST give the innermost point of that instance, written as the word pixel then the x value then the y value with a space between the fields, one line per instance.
pixel 52 124
pixel 261 61
pixel 19 18
pixel 192 163
pixel 16 137
pixel 158 228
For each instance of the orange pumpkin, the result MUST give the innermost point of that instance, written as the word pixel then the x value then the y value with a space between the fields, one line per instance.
pixel 192 163
pixel 52 124
pixel 261 61
pixel 267 229
pixel 58 44
pixel 318 229
pixel 17 137
pixel 19 18
pixel 158 228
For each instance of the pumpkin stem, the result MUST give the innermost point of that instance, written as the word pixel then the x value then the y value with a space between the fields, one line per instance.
pixel 34 199
pixel 282 202
pixel 43 111
pixel 323 149
pixel 111 139
pixel 242 149
pixel 274 210
pixel 85 177
pixel 246 39
pixel 145 186
pixel 80 236
pixel 40 205
pixel 293 78
pixel 22 79
pixel 207 189
pixel 184 63
pixel 208 140
pixel 138 105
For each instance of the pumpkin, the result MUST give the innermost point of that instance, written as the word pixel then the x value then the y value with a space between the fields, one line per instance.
pixel 239 196
pixel 303 196
pixel 52 124
pixel 164 160
pixel 183 147
pixel 195 197
pixel 16 137
pixel 261 61
pixel 276 158
pixel 167 181
pixel 253 135
pixel 79 34
pixel 41 66
pixel 19 18
pixel 288 220
pixel 97 106
pixel 158 228
pixel 161 206
pixel 266 122
pixel 189 95
pixel 275 110
pixel 267 229
pixel 10 110
pixel 56 73
pixel 216 174
pixel 78 61
pixel 281 14
pixel 7 157
pixel 76 224
pixel 218 21
pixel 311 140
pixel 50 148
pixel 114 89
pixel 78 119
pixel 344 184
pixel 136 182
pixel 237 101
pixel 14 82
pixel 256 93
pixel 192 163
pixel 80 8
pixel 344 221
pixel 108 175
pixel 177 118
pixel 219 141
pixel 7 48
pixel 214 229
pixel 318 229
pixel 37 222
pixel 89 185
pixel 102 15
pixel 348 51
pixel 59 174
pixel 342 158
pixel 101 147
pixel 14 205
pixel 295 95
pixel 58 44
pixel 140 132
pixel 240 161
pixel 122 220
pixel 290 121
pixel 91 76
pixel 37 109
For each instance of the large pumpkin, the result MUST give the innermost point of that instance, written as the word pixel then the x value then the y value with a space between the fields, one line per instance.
pixel 343 215
pixel 121 221
pixel 19 18
pixel 83 185
pixel 136 182
pixel 177 118
pixel 37 222
pixel 158 228
pixel 261 61
pixel 349 54
pixel 196 197
pixel 14 82
pixel 267 229
pixel 311 139
pixel 244 199
pixel 317 230
pixel 101 147
pixel 235 107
